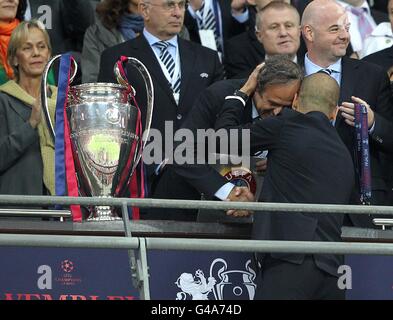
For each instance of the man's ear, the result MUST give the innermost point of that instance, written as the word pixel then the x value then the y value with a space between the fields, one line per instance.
pixel 307 32
pixel 295 102
pixel 142 9
pixel 333 114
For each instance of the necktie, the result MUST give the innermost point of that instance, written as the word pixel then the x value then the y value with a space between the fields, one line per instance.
pixel 209 23
pixel 169 63
pixel 364 25
pixel 327 71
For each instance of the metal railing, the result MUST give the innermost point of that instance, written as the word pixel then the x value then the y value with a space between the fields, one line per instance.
pixel 138 260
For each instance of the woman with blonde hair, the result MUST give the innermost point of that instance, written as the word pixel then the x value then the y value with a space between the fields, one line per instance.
pixel 26 148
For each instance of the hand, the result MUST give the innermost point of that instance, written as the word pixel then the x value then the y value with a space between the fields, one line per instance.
pixel 261 166
pixel 348 112
pixel 251 85
pixel 240 194
pixel 238 6
pixel 195 4
pixel 35 117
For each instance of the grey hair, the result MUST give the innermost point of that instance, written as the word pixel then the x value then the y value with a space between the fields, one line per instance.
pixel 279 69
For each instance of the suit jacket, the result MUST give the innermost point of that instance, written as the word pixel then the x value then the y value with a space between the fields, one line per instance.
pixel 244 52
pixel 230 27
pixel 21 166
pixel 371 84
pixel 200 67
pixel 204 114
pixel 383 58
pixel 299 173
pixel 188 181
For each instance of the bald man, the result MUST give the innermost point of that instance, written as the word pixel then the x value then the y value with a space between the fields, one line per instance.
pixel 325 28
pixel 307 163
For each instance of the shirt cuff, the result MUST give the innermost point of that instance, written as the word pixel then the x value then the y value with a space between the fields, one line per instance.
pixel 242 18
pixel 236 97
pixel 224 191
pixel 371 130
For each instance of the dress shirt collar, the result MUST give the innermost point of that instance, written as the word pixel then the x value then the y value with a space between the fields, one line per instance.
pixel 151 39
pixel 310 67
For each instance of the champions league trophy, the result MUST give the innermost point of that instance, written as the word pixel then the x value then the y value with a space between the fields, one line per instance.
pixel 106 134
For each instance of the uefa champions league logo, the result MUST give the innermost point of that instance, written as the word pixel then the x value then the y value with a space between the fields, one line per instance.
pixel 222 283
pixel 67 266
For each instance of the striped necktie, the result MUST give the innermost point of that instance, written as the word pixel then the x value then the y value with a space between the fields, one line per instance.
pixel 209 23
pixel 326 71
pixel 169 63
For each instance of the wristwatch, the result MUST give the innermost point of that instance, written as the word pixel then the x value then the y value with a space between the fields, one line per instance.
pixel 242 95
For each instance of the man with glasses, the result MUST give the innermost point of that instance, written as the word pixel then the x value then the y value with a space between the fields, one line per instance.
pixel 180 69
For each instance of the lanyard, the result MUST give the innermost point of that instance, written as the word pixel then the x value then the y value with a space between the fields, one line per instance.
pixel 363 153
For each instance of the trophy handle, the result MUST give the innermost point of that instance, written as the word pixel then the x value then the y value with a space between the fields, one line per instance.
pixel 44 92
pixel 121 79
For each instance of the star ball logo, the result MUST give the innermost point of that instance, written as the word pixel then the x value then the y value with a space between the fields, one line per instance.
pixel 68 278
pixel 67 266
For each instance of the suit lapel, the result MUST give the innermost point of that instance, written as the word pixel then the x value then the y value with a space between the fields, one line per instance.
pixel 151 63
pixel 348 78
pixel 187 60
pixel 348 82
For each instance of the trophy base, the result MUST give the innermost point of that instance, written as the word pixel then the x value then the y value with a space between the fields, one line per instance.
pixel 103 213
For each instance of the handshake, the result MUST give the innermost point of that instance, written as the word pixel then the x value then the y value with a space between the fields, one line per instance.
pixel 240 194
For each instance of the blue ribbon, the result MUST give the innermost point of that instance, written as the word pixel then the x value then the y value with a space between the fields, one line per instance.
pixel 363 152
pixel 60 174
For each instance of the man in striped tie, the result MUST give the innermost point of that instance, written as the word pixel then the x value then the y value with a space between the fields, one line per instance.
pixel 212 22
pixel 180 70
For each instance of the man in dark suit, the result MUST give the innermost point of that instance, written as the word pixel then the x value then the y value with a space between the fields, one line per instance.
pixel 277 31
pixel 308 163
pixel 325 30
pixel 170 61
pixel 279 82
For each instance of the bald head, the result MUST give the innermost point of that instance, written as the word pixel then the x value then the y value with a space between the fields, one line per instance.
pixel 318 92
pixel 319 9
pixel 260 4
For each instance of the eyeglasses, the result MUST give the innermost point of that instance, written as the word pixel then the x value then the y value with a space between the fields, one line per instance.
pixel 171 5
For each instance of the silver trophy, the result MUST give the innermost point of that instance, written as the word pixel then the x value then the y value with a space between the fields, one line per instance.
pixel 103 126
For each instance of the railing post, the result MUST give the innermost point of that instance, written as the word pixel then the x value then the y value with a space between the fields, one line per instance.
pixel 138 266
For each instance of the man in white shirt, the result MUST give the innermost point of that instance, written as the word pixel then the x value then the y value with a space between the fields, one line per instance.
pixel 382 36
pixel 362 21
